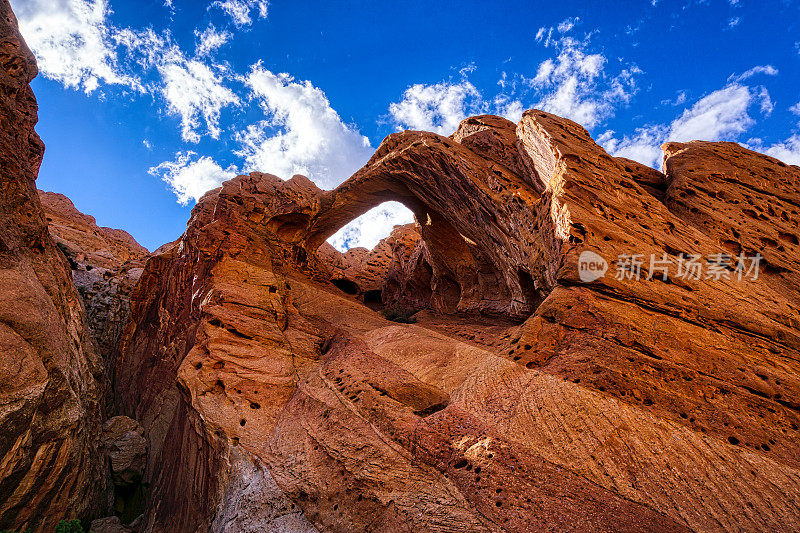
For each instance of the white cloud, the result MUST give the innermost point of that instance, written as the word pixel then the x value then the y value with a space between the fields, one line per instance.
pixel 508 107
pixel 643 146
pixel 72 42
pixel 210 39
pixel 732 23
pixel 190 177
pixel 438 107
pixel 301 133
pixel 720 115
pixel 575 83
pixel 680 99
pixel 76 46
pixel 567 24
pixel 193 91
pixel 787 151
pixel 767 70
pixel 239 10
pixel 368 229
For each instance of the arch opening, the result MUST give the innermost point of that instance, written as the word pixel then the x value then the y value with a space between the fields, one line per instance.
pixel 367 230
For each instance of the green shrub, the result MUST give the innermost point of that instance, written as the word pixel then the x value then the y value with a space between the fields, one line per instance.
pixel 69 526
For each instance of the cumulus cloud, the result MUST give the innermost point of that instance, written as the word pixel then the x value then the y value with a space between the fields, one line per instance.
pixel 194 91
pixel 720 115
pixel 438 107
pixel 787 151
pixel 240 10
pixel 301 133
pixel 575 84
pixel 368 229
pixel 190 176
pixel 72 42
pixel 76 45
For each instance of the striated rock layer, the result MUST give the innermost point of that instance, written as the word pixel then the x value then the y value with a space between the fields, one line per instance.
pixel 523 399
pixel 51 393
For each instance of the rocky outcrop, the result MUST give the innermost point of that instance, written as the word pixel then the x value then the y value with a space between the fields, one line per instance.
pixel 395 274
pixel 526 397
pixel 106 264
pixel 194 369
pixel 51 390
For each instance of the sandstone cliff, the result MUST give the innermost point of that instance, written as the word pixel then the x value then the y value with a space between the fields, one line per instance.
pixel 50 375
pixel 523 399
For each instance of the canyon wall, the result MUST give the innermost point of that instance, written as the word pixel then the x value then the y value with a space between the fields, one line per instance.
pixel 51 378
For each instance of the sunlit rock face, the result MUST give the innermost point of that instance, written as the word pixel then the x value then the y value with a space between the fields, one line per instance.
pixel 274 396
pixel 51 378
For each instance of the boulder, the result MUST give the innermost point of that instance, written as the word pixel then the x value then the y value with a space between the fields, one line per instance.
pixel 126 448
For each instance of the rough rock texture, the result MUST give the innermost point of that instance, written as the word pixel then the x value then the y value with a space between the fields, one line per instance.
pixel 523 399
pixel 395 274
pixel 110 524
pixel 106 263
pixel 92 245
pixel 126 449
pixel 50 375
pixel 408 280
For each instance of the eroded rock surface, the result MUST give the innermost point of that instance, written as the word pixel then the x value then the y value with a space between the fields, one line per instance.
pixel 51 393
pixel 523 399
pixel 106 263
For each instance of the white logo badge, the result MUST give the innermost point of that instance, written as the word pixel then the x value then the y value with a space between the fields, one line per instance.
pixel 591 266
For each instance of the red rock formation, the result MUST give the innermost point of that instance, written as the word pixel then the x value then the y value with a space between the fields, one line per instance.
pixel 90 244
pixel 50 376
pixel 546 403
pixel 394 274
pixel 106 263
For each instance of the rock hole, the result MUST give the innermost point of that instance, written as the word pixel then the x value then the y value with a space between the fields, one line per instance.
pixel 345 285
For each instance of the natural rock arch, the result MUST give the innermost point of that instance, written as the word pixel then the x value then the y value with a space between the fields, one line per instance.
pixel 454 192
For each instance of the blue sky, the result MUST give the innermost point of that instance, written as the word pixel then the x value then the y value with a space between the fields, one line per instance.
pixel 146 104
